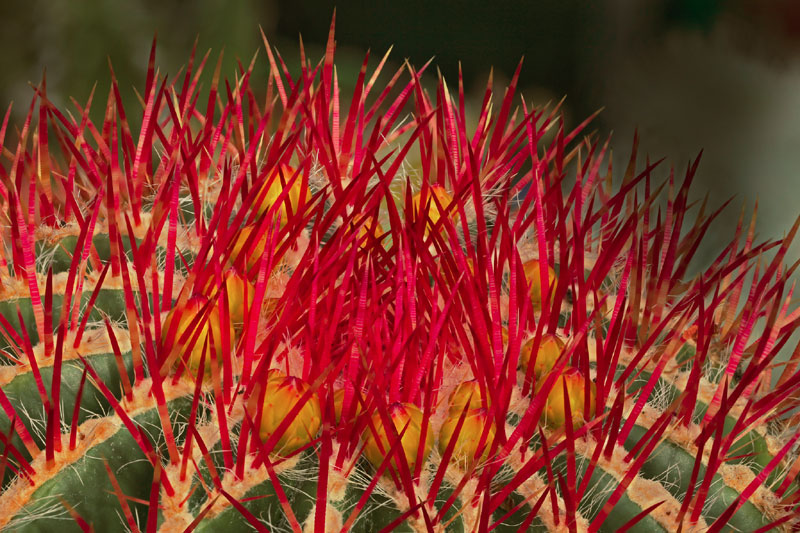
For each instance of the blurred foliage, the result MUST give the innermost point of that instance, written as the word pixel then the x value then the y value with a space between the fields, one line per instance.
pixel 553 36
pixel 700 13
pixel 564 42
pixel 74 41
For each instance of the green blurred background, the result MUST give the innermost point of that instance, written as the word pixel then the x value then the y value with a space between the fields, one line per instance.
pixel 689 74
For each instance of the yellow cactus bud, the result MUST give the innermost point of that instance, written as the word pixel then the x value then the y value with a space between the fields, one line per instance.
pixel 467 396
pixel 239 291
pixel 281 396
pixel 554 415
pixel 209 324
pixel 466 451
pixel 503 337
pixel 433 212
pixel 377 442
pixel 278 180
pixel 254 250
pixel 363 229
pixel 550 348
pixel 531 270
pixel 338 403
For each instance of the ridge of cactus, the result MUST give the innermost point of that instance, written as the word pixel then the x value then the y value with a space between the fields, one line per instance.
pixel 285 308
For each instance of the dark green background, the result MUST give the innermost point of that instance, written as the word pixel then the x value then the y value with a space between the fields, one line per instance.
pixel 567 44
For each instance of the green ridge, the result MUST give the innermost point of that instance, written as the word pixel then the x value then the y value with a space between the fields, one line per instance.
pixel 86 486
pixel 599 489
pixel 110 303
pixel 672 466
pixel 23 395
pixel 60 253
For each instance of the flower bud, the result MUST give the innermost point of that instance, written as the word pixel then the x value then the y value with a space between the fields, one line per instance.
pixel 379 441
pixel 554 415
pixel 466 451
pixel 172 336
pixel 369 223
pixel 432 212
pixel 239 291
pixel 531 270
pixel 467 396
pixel 244 252
pixel 338 403
pixel 503 337
pixel 281 396
pixel 278 181
pixel 550 348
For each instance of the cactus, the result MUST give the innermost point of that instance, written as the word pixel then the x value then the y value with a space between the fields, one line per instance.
pixel 286 310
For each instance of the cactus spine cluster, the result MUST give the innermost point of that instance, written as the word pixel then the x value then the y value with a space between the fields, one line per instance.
pixel 286 310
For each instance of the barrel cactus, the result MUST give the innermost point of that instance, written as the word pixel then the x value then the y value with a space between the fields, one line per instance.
pixel 283 309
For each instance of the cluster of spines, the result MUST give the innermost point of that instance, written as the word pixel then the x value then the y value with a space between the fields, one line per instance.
pixel 393 316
